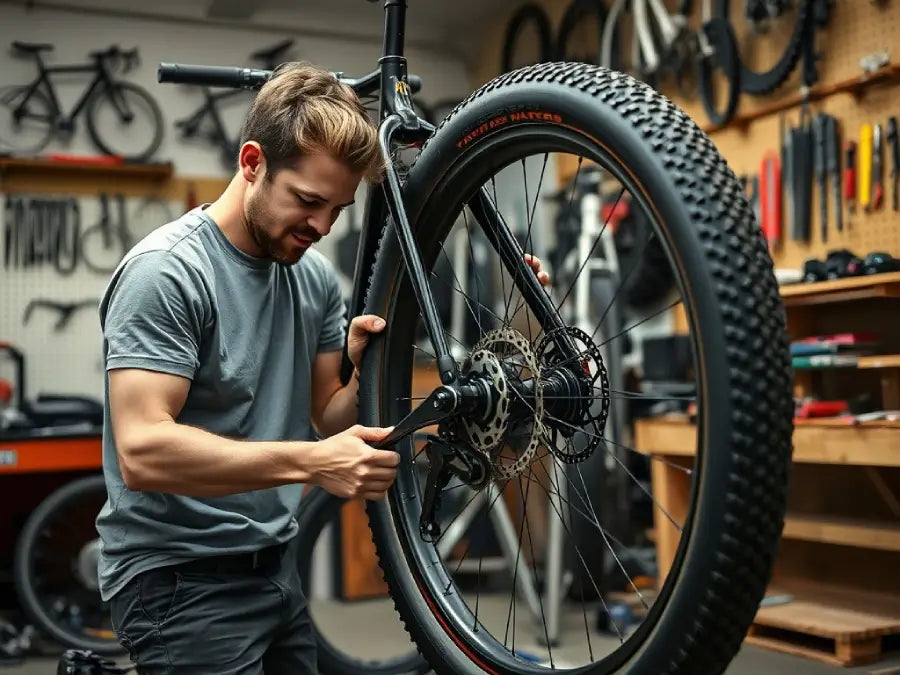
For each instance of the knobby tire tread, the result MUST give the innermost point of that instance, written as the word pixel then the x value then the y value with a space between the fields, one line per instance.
pixel 755 345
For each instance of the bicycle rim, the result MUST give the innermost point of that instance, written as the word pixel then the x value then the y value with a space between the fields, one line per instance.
pixel 55 568
pixel 125 121
pixel 24 129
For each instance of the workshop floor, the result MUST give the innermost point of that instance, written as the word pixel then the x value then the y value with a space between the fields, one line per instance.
pixel 374 632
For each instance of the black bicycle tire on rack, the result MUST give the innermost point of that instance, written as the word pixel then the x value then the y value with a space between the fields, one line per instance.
pixel 317 509
pixel 723 563
pixel 529 13
pixel 721 36
pixel 23 581
pixel 102 95
pixel 574 13
pixel 761 83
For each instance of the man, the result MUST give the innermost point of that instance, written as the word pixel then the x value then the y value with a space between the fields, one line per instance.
pixel 223 334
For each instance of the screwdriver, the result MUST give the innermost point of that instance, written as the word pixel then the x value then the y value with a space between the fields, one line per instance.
pixel 877 187
pixel 864 193
pixel 894 145
pixel 850 176
pixel 833 167
pixel 819 124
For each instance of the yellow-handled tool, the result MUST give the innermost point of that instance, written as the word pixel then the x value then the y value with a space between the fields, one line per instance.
pixel 864 165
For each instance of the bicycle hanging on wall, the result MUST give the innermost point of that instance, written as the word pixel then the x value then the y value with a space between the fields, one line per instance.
pixel 123 119
pixel 530 393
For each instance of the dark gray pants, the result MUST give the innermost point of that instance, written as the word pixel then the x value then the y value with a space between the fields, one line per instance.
pixel 185 621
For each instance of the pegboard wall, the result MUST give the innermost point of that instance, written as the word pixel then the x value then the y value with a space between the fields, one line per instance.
pixel 63 353
pixel 856 29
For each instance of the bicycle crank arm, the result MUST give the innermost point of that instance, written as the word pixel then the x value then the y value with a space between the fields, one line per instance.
pixel 441 404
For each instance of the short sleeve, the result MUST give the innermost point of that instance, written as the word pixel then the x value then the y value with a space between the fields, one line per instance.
pixel 153 315
pixel 333 325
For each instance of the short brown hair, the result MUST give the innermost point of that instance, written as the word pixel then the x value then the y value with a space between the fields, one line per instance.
pixel 303 110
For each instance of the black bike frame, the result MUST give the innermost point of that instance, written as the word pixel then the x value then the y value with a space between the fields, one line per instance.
pixel 101 76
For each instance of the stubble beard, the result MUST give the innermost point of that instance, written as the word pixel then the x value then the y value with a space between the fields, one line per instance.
pixel 271 248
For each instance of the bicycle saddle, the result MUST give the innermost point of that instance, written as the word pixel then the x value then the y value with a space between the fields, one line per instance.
pixel 270 55
pixel 32 47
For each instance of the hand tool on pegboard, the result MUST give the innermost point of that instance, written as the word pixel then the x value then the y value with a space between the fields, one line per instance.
pixel 864 166
pixel 801 164
pixel 833 167
pixel 787 186
pixel 770 199
pixel 64 309
pixel 850 178
pixel 877 176
pixel 819 126
pixel 9 230
pixel 894 149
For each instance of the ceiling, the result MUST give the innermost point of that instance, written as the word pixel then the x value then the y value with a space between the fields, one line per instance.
pixel 429 23
pixel 445 26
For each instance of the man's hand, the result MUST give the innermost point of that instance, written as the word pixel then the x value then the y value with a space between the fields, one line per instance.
pixel 360 329
pixel 347 467
pixel 535 263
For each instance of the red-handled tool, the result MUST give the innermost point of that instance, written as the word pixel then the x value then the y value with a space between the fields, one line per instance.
pixel 850 176
pixel 770 199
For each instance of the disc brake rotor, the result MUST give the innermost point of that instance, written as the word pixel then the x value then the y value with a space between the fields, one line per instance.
pixel 593 414
pixel 497 353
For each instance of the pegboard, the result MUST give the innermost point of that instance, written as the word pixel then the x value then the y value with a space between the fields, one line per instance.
pixel 856 30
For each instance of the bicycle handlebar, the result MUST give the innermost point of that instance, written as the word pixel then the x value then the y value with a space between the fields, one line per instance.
pixel 252 78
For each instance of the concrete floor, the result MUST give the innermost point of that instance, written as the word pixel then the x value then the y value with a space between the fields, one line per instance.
pixel 374 631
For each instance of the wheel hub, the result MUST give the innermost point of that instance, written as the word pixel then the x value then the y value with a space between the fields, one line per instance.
pixel 499 360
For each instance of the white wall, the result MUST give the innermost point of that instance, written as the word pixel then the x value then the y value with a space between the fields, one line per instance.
pixel 69 361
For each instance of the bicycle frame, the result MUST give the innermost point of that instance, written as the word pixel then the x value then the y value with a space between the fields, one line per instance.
pixel 101 76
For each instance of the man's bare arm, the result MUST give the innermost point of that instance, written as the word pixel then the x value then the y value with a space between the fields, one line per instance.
pixel 334 406
pixel 158 454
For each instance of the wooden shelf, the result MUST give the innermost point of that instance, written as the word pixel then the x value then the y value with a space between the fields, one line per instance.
pixel 886 285
pixel 42 165
pixel 854 85
pixel 844 531
pixel 874 443
pixel 879 361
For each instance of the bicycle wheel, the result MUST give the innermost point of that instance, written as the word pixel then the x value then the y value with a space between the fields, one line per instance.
pixel 55 568
pixel 24 129
pixel 694 618
pixel 786 42
pixel 317 510
pixel 580 32
pixel 719 74
pixel 124 120
pixel 538 46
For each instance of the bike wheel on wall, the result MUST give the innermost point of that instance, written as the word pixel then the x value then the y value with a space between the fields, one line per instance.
pixel 319 509
pixel 124 120
pixel 55 568
pixel 580 32
pixel 26 122
pixel 767 56
pixel 549 398
pixel 528 38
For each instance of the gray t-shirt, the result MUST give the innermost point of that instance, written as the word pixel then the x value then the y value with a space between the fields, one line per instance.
pixel 245 331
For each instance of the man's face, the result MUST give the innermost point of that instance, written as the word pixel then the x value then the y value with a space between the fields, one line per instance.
pixel 290 211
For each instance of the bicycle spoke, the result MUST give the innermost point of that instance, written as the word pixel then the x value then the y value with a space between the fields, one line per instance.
pixel 533 565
